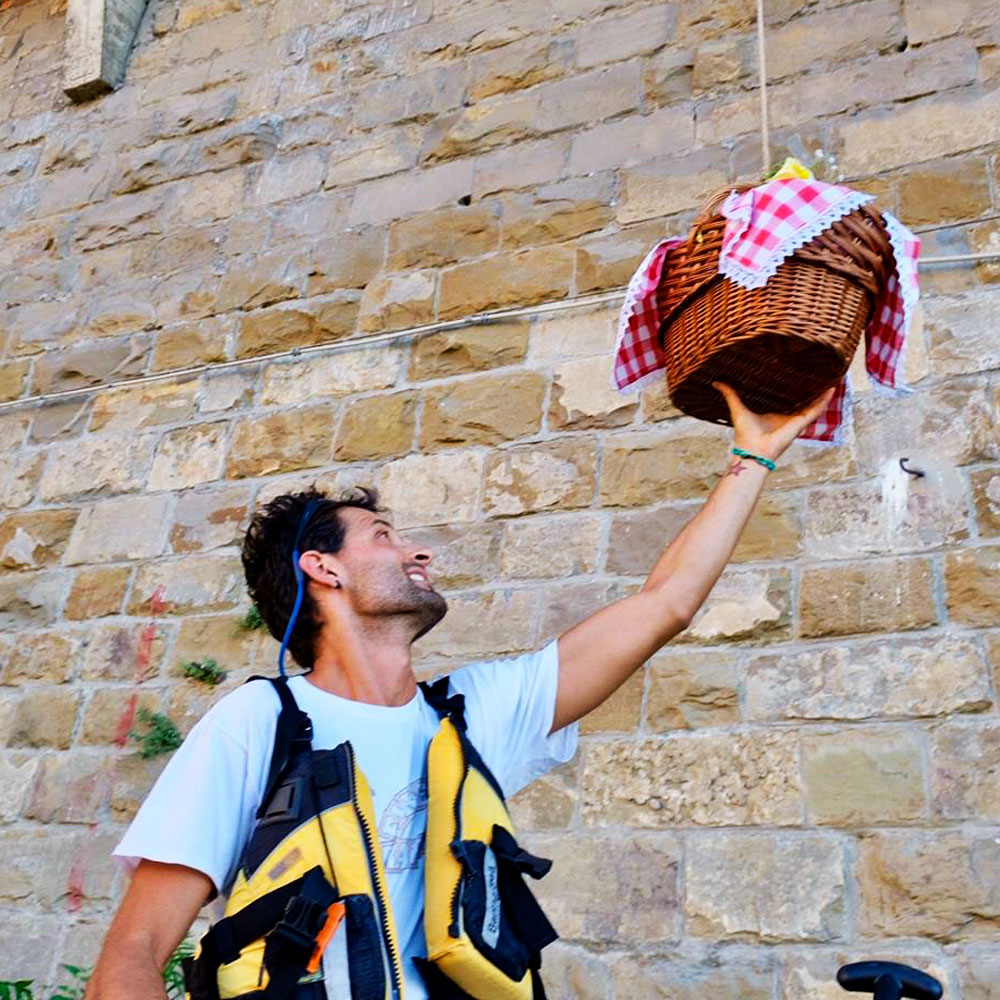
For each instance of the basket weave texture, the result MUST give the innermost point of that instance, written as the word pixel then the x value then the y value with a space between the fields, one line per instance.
pixel 781 345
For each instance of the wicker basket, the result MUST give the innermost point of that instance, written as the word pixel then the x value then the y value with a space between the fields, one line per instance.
pixel 781 345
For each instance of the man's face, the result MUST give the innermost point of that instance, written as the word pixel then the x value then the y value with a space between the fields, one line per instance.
pixel 385 574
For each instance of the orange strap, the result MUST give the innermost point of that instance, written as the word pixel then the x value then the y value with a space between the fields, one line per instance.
pixel 333 917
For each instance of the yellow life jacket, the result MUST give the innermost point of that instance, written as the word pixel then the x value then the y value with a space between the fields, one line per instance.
pixel 313 864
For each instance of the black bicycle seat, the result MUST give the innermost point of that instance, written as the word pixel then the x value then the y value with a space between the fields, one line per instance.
pixel 889 981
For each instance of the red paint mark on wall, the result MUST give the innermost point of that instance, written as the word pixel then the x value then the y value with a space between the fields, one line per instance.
pixel 148 637
pixel 74 887
pixel 126 721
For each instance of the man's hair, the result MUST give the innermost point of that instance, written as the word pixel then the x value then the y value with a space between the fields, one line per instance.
pixel 267 559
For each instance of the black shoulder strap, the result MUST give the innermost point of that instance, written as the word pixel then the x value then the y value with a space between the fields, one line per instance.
pixel 293 726
pixel 445 704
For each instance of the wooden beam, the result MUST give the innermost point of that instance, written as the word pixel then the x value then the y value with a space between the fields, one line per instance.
pixel 99 38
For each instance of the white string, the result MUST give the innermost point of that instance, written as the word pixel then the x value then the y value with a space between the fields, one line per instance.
pixel 765 146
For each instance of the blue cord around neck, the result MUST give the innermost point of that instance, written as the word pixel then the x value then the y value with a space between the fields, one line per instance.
pixel 300 583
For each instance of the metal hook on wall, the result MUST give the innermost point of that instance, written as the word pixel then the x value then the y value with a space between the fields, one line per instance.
pixel 916 473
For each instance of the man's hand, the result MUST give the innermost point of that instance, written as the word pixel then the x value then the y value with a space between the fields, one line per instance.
pixel 769 434
pixel 599 654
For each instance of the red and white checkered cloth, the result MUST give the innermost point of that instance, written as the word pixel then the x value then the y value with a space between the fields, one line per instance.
pixel 764 226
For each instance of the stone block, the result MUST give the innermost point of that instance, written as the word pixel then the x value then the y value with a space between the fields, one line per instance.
pixel 963 333
pixel 131 782
pixel 512 279
pixel 926 129
pixel 512 168
pixel 189 456
pixel 17 778
pixel 575 973
pixel 281 328
pixel 470 349
pixel 719 62
pixel 488 409
pixel 145 406
pixel 31 599
pixel 740 976
pixel 877 596
pixel 864 778
pixel 398 301
pixel 220 636
pixel 548 803
pixel 26 944
pixel 120 528
pixel 89 364
pixel 950 191
pixel 432 489
pixel 979 972
pixel 632 140
pixel 232 390
pixel 557 213
pixel 256 282
pixel 973 586
pixel 924 24
pixel 446 236
pixel 766 887
pixel 636 901
pixel 57 421
pixel 582 397
pixel 745 605
pixel 30 541
pixel 646 467
pixel 281 442
pixel 349 260
pixel 124 652
pixel 985 485
pixel 491 624
pixel 811 973
pixel 567 604
pixel 209 519
pixel 665 187
pixel 42 656
pixel 110 715
pixel 193 583
pixel 113 464
pixel 377 427
pixel 334 375
pixel 384 200
pixel 14 378
pixel 637 33
pixel 897 515
pixel 621 712
pixel 693 779
pixel 44 718
pixel 554 106
pixel 517 66
pixel 539 548
pixel 940 884
pixel 901 678
pixel 97 592
pixel 373 154
pixel 464 556
pixel 574 334
pixel 965 771
pixel 553 475
pixel 693 691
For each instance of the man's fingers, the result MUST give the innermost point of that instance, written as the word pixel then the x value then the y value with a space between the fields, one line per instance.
pixel 733 401
pixel 817 406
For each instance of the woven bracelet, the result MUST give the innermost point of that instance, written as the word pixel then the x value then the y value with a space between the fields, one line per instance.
pixel 759 459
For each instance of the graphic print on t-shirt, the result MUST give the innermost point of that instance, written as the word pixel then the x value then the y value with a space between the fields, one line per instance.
pixel 401 831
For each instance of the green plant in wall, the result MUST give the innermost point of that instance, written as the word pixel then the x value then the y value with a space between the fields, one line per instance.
pixel 252 621
pixel 161 735
pixel 206 671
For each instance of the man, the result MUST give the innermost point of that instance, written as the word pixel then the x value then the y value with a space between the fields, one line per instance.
pixel 368 596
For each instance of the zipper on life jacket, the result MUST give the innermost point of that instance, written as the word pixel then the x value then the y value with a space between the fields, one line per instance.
pixel 456 896
pixel 376 878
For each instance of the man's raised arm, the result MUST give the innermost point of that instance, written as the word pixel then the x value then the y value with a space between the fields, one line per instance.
pixel 601 652
pixel 159 907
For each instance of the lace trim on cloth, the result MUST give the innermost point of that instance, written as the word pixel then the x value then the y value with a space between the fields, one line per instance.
pixel 738 210
pixel 638 357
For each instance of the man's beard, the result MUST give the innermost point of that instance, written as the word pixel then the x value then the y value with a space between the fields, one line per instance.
pixel 403 599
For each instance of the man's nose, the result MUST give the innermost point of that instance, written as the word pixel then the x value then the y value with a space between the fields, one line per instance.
pixel 421 554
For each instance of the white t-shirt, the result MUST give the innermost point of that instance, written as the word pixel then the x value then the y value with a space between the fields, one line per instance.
pixel 200 813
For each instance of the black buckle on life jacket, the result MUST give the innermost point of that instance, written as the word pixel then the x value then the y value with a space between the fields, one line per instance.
pixel 294 936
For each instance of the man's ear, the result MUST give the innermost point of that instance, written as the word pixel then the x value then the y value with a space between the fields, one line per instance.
pixel 321 568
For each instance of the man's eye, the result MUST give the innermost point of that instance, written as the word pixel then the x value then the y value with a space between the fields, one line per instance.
pixel 382 534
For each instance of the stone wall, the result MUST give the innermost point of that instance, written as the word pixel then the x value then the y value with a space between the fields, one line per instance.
pixel 810 775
